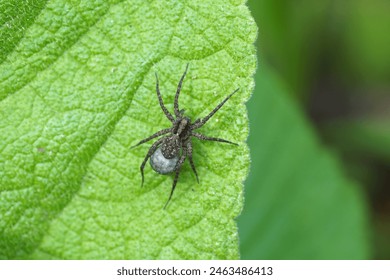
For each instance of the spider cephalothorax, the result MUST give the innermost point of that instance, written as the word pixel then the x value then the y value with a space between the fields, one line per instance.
pixel 169 152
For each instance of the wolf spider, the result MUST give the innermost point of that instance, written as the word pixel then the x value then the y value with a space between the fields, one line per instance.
pixel 169 152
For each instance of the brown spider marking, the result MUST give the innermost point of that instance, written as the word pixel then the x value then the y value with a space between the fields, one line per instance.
pixel 169 152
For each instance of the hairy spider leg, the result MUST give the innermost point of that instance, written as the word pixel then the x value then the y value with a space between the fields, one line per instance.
pixel 200 122
pixel 157 134
pixel 204 137
pixel 189 153
pixel 165 110
pixel 176 103
pixel 152 149
pixel 177 168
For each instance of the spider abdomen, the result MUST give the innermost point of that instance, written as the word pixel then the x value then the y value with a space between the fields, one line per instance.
pixel 170 147
pixel 161 164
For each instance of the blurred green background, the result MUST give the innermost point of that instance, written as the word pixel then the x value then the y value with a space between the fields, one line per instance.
pixel 319 185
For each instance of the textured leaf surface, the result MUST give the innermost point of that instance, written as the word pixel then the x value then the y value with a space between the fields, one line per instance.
pixel 299 204
pixel 77 89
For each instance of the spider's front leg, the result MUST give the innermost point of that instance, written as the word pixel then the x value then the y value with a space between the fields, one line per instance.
pixel 176 102
pixel 200 122
pixel 165 110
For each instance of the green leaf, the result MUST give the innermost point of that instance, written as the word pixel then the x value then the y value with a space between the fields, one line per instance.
pixel 299 204
pixel 78 90
pixel 16 17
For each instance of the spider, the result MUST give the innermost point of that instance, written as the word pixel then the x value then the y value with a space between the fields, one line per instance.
pixel 168 154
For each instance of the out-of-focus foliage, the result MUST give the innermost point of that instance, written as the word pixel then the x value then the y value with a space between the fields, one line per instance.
pixel 298 205
pixel 365 55
pixel 334 59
